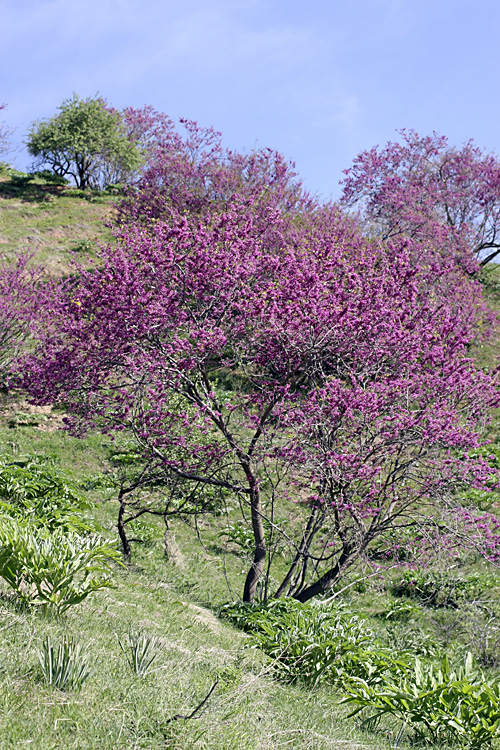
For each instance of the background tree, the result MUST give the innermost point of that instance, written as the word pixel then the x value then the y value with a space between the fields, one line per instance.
pixel 446 198
pixel 87 141
pixel 277 364
pixel 20 305
pixel 190 171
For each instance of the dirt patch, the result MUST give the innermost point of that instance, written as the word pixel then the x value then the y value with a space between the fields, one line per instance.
pixel 23 414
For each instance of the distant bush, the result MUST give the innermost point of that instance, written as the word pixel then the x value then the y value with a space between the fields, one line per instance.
pixel 77 193
pixel 114 189
pixel 442 589
pixel 19 179
pixel 84 246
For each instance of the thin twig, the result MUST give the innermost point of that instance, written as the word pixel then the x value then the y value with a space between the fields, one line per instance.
pixel 197 709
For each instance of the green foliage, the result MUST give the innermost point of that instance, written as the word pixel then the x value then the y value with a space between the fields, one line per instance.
pixel 141 651
pixel 53 570
pixel 65 667
pixel 313 643
pixel 483 499
pixel 36 492
pixel 84 246
pixel 437 702
pixel 401 611
pixel 402 637
pixel 241 536
pixel 86 141
pixel 20 180
pixel 442 588
pixel 47 176
pixel 23 419
pixel 143 532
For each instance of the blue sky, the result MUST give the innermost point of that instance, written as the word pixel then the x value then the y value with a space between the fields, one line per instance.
pixel 318 80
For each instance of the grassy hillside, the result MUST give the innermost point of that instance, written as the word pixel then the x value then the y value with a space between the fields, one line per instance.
pixel 175 603
pixel 49 220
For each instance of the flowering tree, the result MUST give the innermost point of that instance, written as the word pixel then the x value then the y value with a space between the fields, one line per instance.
pixel 19 307
pixel 191 172
pixel 273 361
pixel 425 189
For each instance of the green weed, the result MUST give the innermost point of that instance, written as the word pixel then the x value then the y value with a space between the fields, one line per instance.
pixel 65 666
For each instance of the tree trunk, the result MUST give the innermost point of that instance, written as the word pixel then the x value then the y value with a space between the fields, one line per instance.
pixel 121 529
pixel 307 537
pixel 259 557
pixel 327 580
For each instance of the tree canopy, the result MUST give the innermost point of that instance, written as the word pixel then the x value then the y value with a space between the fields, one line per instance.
pixel 446 198
pixel 253 340
pixel 87 141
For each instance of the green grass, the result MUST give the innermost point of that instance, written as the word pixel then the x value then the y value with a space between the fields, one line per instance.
pixel 117 709
pixel 50 221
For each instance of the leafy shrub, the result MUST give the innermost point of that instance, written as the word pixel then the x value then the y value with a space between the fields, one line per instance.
pixel 241 536
pixel 113 189
pixel 143 532
pixel 312 642
pixel 441 589
pixel 37 492
pixel 77 193
pixel 21 419
pixel 401 611
pixel 480 626
pixel 18 178
pixel 411 641
pixel 437 702
pixel 64 667
pixel 55 569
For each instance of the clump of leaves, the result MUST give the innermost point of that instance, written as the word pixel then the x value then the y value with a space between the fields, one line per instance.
pixel 141 651
pixel 64 666
pixel 437 702
pixel 50 177
pixel 53 570
pixel 401 611
pixel 480 627
pixel 312 642
pixel 84 246
pixel 36 492
pixel 412 641
pixel 21 419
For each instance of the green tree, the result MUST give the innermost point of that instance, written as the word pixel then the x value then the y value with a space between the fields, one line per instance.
pixel 87 141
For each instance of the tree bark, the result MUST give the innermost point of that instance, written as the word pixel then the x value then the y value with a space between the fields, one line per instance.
pixel 327 580
pixel 121 529
pixel 259 557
